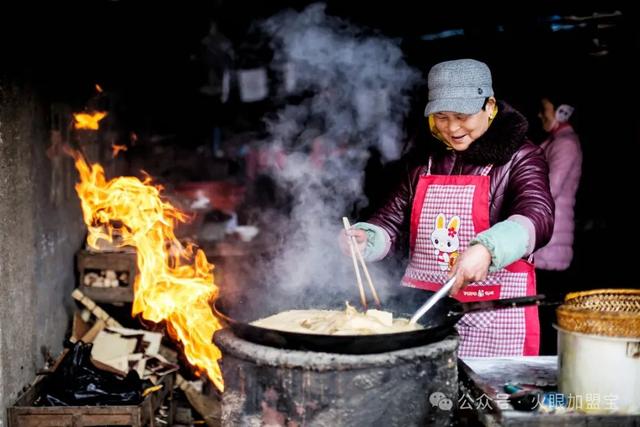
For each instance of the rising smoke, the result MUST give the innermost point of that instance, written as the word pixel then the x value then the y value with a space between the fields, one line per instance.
pixel 352 93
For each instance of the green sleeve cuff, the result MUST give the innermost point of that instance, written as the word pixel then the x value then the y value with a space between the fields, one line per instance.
pixel 378 241
pixel 507 241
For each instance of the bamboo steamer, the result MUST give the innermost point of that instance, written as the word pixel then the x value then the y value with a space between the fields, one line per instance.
pixel 599 350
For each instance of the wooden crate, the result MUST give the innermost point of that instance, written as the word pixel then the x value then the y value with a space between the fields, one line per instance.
pixel 23 414
pixel 117 261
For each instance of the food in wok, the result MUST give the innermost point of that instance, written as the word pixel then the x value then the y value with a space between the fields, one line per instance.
pixel 333 322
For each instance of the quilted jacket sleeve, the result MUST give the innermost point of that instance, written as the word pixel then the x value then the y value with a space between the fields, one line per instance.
pixel 563 156
pixel 528 193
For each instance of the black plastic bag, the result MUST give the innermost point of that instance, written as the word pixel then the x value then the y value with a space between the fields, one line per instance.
pixel 78 382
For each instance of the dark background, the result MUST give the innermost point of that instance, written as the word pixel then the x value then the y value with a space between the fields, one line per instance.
pixel 149 56
pixel 149 51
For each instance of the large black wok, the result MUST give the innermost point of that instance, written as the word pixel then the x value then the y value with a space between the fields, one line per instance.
pixel 238 311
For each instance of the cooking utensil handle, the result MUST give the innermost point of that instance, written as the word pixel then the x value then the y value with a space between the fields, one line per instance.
pixel 441 293
pixel 496 304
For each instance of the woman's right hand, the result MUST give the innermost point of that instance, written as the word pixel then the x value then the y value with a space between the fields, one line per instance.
pixel 471 266
pixel 360 237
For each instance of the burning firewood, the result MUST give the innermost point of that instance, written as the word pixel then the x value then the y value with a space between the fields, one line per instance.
pixel 207 407
pixel 174 282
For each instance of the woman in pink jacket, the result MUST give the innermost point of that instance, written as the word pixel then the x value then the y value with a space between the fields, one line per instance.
pixel 564 156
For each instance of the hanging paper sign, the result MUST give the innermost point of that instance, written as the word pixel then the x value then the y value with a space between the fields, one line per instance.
pixel 290 77
pixel 253 84
pixel 226 84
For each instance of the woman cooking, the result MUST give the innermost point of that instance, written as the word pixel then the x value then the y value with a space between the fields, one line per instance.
pixel 475 210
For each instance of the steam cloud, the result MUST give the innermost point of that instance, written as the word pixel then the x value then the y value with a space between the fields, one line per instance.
pixel 354 89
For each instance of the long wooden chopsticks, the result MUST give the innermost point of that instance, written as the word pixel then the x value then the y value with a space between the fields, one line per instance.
pixel 356 256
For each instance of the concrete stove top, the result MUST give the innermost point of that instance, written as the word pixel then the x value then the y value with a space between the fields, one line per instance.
pixel 482 391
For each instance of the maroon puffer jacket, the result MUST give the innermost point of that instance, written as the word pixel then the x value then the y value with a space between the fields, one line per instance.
pixel 519 178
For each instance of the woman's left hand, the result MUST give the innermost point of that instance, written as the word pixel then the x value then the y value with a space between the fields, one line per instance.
pixel 471 266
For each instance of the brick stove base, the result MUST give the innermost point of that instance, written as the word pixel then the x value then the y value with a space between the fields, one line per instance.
pixel 270 386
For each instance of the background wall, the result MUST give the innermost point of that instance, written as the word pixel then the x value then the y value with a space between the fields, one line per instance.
pixel 40 230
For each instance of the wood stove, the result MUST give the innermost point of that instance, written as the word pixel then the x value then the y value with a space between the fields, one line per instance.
pixel 271 386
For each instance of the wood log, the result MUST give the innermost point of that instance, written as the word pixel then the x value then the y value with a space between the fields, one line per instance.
pixel 110 321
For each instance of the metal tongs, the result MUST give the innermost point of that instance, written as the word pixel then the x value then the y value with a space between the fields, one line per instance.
pixel 442 292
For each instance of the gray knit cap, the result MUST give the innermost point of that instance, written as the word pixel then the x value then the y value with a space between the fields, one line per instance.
pixel 460 86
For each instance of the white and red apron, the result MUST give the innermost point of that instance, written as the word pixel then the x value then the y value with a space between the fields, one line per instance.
pixel 436 239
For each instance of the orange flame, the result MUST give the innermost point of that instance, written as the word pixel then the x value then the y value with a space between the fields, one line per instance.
pixel 117 149
pixel 88 120
pixel 174 283
pixel 99 88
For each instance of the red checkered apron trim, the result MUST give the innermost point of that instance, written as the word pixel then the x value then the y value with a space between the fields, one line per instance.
pixel 448 212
